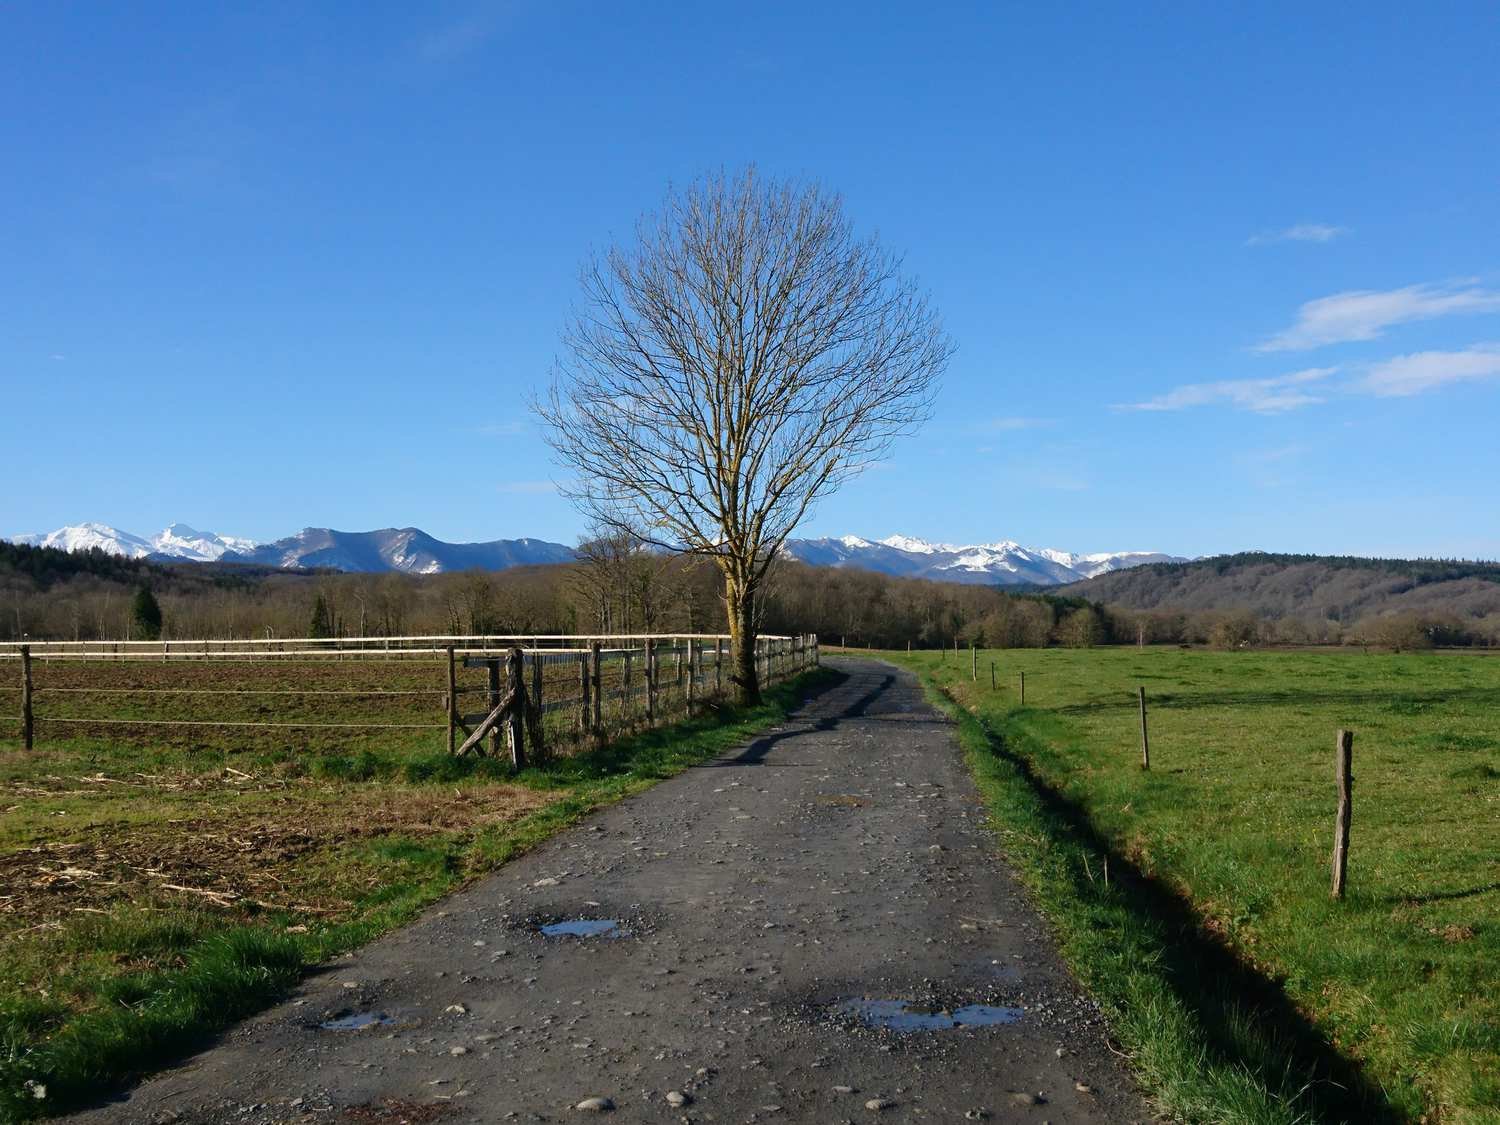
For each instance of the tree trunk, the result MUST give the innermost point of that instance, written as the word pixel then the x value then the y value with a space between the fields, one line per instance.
pixel 739 603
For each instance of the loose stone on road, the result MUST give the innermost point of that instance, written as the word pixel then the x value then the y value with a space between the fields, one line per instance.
pixel 814 928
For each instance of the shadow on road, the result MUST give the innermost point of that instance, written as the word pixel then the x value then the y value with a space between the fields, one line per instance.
pixel 873 701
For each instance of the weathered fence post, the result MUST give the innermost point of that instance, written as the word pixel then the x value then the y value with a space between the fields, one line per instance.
pixel 1145 741
pixel 974 663
pixel 1343 764
pixel 692 654
pixel 1023 688
pixel 515 726
pixel 452 700
pixel 28 725
pixel 650 680
pixel 992 675
pixel 492 667
pixel 597 677
pixel 534 707
pixel 583 693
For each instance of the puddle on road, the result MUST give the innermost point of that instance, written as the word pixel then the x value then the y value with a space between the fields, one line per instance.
pixel 902 1015
pixel 356 1021
pixel 585 928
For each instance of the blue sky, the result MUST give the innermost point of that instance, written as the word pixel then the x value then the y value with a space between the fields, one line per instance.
pixel 1221 276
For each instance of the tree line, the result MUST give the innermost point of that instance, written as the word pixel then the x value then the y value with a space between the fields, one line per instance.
pixel 618 587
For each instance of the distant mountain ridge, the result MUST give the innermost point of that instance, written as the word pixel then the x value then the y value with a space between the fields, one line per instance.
pixel 412 551
pixel 406 549
pixel 177 541
pixel 1005 563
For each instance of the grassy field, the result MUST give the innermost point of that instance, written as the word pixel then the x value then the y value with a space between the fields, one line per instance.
pixel 1242 992
pixel 158 883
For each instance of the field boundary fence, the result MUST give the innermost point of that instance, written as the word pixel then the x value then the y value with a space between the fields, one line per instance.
pixel 551 691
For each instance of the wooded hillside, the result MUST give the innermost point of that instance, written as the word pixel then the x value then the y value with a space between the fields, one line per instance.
pixel 1311 588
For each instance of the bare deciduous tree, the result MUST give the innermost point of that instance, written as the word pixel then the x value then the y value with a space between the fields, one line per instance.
pixel 740 360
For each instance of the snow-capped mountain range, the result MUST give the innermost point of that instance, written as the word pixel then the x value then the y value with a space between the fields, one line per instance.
pixel 179 541
pixel 412 551
pixel 1005 563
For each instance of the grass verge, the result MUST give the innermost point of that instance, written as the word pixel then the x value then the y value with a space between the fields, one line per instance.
pixel 95 996
pixel 1192 901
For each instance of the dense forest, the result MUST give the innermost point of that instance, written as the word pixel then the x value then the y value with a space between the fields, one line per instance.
pixel 1232 601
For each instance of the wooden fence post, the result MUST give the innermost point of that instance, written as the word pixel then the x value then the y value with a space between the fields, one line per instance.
pixel 583 693
pixel 597 677
pixel 492 667
pixel 28 725
pixel 1145 741
pixel 452 700
pixel 692 654
pixel 515 726
pixel 974 663
pixel 1023 688
pixel 992 675
pixel 534 707
pixel 650 680
pixel 1343 763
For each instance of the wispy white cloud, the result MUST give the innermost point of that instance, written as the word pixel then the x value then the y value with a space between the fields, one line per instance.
pixel 1301 232
pixel 1364 314
pixel 526 487
pixel 1425 371
pixel 1274 395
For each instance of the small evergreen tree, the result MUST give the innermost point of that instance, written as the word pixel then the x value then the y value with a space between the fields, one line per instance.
pixel 145 611
pixel 322 620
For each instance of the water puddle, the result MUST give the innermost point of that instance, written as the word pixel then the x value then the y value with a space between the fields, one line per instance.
pixel 902 1015
pixel 356 1021
pixel 585 928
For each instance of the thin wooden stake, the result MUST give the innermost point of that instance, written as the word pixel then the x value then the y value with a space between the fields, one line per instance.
pixel 28 724
pixel 583 693
pixel 1343 769
pixel 992 675
pixel 452 700
pixel 1145 741
pixel 1023 688
pixel 515 726
pixel 598 681
pixel 974 664
pixel 650 681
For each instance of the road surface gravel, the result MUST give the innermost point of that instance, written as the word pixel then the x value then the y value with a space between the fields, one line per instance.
pixel 763 900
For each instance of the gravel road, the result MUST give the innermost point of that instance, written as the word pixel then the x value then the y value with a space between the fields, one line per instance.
pixel 770 907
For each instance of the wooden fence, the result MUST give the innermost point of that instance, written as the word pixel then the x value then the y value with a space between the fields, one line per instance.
pixel 555 690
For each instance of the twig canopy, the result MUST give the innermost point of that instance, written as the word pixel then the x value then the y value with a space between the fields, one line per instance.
pixel 742 358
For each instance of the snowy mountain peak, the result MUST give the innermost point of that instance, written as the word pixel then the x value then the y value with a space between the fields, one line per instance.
pixel 1004 562
pixel 178 541
pixel 910 545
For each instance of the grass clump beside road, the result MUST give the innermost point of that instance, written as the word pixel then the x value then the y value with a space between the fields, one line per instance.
pixel 1240 990
pixel 154 894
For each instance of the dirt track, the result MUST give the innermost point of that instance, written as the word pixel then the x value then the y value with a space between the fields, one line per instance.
pixel 839 858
